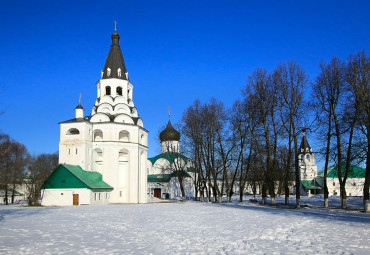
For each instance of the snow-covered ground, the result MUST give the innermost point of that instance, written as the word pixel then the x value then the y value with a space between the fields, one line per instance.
pixel 182 228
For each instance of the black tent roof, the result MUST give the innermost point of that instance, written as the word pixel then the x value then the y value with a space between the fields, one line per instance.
pixel 115 60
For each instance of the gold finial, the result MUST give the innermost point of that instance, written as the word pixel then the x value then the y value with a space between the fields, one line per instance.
pixel 79 100
pixel 169 112
pixel 115 25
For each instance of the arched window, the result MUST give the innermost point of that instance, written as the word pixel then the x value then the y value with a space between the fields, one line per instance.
pixel 107 90
pixel 98 135
pixel 119 91
pixel 73 131
pixel 123 155
pixel 124 136
pixel 308 157
pixel 142 139
pixel 97 160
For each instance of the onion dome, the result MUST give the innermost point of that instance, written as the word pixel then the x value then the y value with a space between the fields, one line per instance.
pixel 169 133
pixel 115 65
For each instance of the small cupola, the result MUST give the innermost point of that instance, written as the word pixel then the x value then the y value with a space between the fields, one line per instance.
pixel 79 110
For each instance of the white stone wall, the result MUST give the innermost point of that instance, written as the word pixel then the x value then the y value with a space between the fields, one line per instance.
pixel 62 197
pixel 354 186
pixel 75 149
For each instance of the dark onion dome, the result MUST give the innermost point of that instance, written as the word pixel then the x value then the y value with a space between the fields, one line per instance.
pixel 169 134
pixel 115 60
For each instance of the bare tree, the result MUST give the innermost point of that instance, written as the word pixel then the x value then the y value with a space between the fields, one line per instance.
pixel 192 132
pixel 260 92
pixel 358 76
pixel 178 165
pixel 291 79
pixel 5 164
pixel 40 169
pixel 20 160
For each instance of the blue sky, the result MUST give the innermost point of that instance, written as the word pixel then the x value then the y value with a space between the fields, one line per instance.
pixel 175 52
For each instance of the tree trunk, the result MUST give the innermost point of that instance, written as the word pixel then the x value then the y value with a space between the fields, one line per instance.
pixel 264 194
pixel 367 176
pixel 286 194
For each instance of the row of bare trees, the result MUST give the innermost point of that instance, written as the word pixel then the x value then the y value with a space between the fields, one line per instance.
pixel 21 172
pixel 256 142
pixel 342 105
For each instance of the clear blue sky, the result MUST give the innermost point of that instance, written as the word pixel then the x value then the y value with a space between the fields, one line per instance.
pixel 175 52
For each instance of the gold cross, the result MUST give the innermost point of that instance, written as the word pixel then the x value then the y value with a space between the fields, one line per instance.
pixel 79 100
pixel 169 112
pixel 115 25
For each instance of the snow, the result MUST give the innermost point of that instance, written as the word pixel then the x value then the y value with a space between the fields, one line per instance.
pixel 183 228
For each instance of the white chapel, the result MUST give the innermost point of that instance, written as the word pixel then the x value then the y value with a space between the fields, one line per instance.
pixel 112 140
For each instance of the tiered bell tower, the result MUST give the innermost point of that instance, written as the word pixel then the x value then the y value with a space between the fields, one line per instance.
pixel 112 140
pixel 307 164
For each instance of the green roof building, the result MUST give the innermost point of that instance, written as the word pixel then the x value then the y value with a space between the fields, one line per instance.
pixel 71 185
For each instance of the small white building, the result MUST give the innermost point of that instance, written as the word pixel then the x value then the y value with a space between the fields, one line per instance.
pixel 163 169
pixel 71 185
pixel 354 184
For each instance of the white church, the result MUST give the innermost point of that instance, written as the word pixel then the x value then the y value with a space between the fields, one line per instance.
pixel 103 155
pixel 164 169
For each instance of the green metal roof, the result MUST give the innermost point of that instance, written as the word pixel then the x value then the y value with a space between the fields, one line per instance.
pixel 165 177
pixel 310 184
pixel 70 176
pixel 159 177
pixel 191 170
pixel 354 171
pixel 170 156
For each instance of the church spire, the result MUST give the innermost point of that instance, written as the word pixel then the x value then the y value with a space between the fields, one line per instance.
pixel 115 65
pixel 304 143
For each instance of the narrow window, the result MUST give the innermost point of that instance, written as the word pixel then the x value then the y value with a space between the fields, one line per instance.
pixel 333 183
pixel 99 196
pixel 69 151
pixel 120 193
pixel 108 71
pixel 119 72
pixel 95 196
pixel 119 91
pixel 76 150
pixel 107 90
pixel 106 195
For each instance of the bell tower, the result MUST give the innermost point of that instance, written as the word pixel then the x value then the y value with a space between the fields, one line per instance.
pixel 307 164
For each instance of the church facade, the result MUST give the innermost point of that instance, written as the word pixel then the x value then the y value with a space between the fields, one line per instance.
pixel 112 140
pixel 166 170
